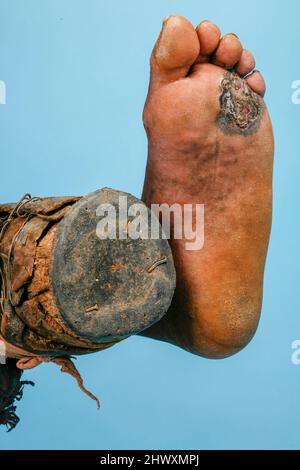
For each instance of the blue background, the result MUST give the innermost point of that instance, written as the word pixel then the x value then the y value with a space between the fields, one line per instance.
pixel 76 73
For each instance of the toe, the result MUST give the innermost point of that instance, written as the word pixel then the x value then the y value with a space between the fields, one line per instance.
pixel 228 52
pixel 176 49
pixel 257 82
pixel 246 63
pixel 209 37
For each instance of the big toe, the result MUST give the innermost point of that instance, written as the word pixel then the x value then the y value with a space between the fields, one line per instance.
pixel 176 49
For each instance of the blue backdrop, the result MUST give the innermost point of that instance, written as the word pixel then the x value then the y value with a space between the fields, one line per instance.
pixel 76 73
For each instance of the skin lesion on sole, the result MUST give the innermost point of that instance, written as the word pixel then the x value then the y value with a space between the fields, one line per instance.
pixel 241 109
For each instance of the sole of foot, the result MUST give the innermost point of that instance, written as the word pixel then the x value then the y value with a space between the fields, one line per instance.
pixel 210 142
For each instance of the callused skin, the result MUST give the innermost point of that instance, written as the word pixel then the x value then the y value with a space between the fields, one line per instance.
pixel 211 142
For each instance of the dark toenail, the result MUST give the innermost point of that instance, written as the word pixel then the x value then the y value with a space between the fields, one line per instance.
pixel 252 73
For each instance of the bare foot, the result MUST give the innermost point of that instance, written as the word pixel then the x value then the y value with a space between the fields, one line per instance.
pixel 211 142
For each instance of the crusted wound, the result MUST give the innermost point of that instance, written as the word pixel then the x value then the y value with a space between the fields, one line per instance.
pixel 241 109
